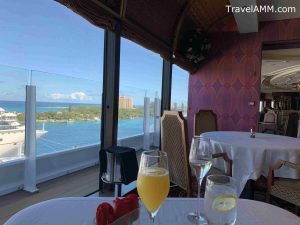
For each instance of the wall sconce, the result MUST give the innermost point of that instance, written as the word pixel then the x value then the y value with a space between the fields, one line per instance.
pixel 251 103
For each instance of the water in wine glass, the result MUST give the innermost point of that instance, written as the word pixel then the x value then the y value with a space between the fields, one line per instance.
pixel 200 167
pixel 200 159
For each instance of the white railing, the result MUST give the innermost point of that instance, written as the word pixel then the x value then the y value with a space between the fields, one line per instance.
pixel 56 164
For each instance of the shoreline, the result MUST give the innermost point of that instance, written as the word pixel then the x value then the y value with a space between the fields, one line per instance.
pixel 86 120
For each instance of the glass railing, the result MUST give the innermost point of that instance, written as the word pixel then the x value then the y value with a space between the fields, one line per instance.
pixel 68 112
pixel 12 107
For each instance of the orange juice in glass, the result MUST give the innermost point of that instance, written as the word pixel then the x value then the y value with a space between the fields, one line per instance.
pixel 153 181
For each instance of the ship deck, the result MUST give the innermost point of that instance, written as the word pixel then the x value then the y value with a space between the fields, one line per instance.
pixel 77 184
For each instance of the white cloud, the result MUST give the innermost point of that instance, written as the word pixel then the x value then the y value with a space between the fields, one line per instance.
pixel 57 96
pixel 73 96
pixel 80 96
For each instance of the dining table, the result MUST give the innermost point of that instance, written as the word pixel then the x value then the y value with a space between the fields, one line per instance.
pixel 252 157
pixel 82 210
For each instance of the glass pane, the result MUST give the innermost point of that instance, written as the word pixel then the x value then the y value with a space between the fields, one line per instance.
pixel 179 92
pixel 50 37
pixel 47 36
pixel 68 116
pixel 140 77
pixel 12 108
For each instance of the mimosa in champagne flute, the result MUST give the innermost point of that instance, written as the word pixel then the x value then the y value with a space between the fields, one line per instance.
pixel 153 181
pixel 200 161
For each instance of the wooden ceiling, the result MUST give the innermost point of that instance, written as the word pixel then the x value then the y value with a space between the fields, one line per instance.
pixel 205 13
pixel 157 25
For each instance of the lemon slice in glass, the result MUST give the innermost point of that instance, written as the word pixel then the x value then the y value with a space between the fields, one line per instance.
pixel 224 203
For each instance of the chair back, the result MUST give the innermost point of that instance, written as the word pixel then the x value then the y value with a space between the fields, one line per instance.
pixel 270 117
pixel 227 160
pixel 205 121
pixel 286 190
pixel 174 142
pixel 298 131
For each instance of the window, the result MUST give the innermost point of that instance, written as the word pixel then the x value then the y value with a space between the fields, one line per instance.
pixel 140 77
pixel 47 36
pixel 179 92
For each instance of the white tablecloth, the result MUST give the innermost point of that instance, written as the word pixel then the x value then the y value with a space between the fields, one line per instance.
pixel 81 211
pixel 253 156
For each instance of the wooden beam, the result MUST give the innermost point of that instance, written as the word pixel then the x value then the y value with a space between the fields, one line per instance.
pixel 136 27
pixel 179 24
pixel 106 8
pixel 123 8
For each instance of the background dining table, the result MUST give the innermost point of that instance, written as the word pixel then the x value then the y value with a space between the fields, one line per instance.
pixel 252 156
pixel 82 210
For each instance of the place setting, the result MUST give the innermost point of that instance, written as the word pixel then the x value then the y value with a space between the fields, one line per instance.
pixel 220 205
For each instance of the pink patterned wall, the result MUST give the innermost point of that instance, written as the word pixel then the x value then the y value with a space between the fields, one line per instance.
pixel 230 79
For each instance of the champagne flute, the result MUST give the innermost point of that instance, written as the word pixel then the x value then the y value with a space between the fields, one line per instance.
pixel 153 181
pixel 200 159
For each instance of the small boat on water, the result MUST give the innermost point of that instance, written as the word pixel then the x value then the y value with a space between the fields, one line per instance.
pixel 12 135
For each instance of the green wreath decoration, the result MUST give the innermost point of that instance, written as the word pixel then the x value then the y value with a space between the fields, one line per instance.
pixel 196 46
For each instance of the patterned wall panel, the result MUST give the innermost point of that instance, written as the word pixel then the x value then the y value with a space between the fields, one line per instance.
pixel 230 79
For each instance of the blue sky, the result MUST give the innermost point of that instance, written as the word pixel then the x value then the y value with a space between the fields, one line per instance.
pixel 43 35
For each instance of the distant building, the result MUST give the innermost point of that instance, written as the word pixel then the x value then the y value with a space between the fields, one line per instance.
pixel 125 102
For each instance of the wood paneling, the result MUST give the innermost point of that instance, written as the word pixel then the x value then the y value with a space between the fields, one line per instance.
pixel 204 13
pixel 152 24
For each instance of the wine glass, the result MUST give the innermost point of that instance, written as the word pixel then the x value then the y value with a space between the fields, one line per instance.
pixel 200 159
pixel 220 200
pixel 153 182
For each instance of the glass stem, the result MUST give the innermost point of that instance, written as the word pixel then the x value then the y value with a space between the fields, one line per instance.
pixel 199 194
pixel 152 219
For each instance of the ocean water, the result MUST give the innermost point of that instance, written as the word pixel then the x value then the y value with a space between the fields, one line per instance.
pixel 19 106
pixel 62 136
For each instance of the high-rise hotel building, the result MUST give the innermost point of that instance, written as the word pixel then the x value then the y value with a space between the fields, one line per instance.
pixel 125 102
